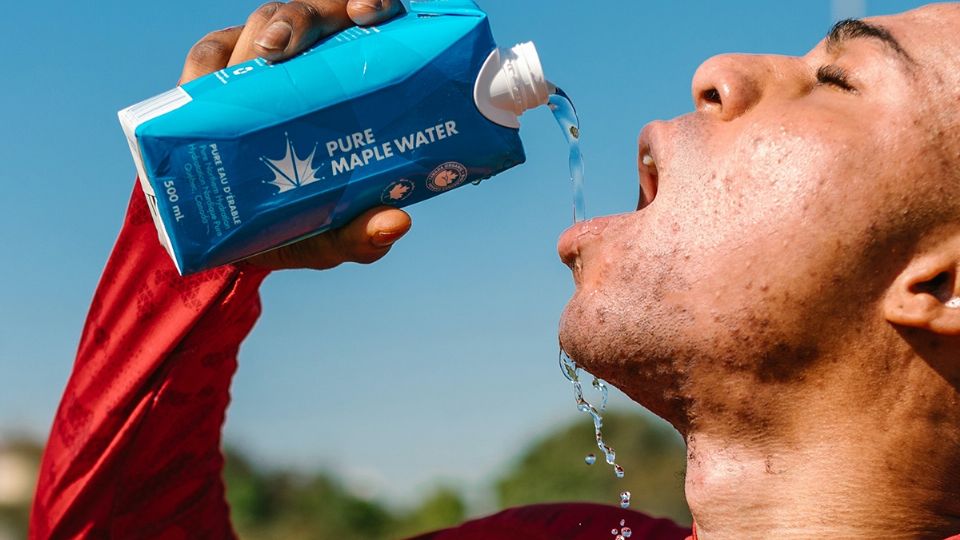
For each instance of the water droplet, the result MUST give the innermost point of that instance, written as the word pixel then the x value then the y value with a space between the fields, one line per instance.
pixel 570 371
pixel 623 522
pixel 624 499
pixel 600 386
pixel 618 537
pixel 569 367
pixel 614 531
pixel 626 532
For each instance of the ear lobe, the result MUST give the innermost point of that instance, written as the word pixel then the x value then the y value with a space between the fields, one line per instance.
pixel 925 295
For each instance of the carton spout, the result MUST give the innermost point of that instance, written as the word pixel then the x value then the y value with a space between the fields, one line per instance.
pixel 510 82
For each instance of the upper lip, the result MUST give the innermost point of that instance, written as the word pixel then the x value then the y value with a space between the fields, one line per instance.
pixel 649 173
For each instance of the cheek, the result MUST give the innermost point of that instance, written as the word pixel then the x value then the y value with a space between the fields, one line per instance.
pixel 762 188
pixel 769 182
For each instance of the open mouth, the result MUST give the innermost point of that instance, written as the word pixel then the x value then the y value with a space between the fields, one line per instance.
pixel 647 160
pixel 649 177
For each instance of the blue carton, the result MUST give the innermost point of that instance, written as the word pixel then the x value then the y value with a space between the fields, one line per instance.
pixel 259 155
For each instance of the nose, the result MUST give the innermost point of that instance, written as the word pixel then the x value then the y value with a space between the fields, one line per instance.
pixel 729 85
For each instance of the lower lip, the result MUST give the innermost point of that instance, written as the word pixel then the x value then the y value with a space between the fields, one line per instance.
pixel 570 240
pixel 649 180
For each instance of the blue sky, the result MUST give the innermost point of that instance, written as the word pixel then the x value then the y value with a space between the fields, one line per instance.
pixel 436 363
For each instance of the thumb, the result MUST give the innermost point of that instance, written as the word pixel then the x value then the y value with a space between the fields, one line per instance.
pixel 369 236
pixel 369 12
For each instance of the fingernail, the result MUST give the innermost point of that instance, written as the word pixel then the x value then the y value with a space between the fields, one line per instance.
pixel 374 5
pixel 386 238
pixel 275 37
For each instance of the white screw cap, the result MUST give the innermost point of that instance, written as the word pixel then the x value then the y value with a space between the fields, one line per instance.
pixel 510 82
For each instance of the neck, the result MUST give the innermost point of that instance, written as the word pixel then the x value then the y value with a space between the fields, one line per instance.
pixel 883 467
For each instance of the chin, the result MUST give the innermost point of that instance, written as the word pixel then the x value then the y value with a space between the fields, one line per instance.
pixel 578 337
pixel 627 355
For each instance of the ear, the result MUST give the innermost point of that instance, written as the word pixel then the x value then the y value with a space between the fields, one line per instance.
pixel 925 295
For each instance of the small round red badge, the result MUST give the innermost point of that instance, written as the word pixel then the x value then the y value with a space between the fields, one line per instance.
pixel 447 176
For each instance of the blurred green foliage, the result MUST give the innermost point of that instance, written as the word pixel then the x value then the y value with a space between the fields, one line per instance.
pixel 553 469
pixel 278 505
pixel 271 505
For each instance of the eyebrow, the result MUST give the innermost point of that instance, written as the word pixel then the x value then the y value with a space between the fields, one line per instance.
pixel 848 29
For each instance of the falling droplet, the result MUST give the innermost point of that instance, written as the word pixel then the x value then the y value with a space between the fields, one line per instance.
pixel 626 532
pixel 623 522
pixel 600 386
pixel 571 371
pixel 569 368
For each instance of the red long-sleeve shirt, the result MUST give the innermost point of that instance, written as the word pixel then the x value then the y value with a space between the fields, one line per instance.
pixel 134 451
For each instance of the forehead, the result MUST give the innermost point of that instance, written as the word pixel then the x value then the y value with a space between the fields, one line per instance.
pixel 929 35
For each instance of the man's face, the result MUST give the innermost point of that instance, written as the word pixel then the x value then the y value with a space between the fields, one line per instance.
pixel 758 241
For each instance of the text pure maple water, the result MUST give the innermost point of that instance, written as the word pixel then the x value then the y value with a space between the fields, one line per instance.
pixel 259 155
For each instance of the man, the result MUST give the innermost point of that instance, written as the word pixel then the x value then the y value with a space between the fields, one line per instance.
pixel 786 295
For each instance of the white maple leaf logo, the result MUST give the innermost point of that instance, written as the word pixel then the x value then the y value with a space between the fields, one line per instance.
pixel 291 172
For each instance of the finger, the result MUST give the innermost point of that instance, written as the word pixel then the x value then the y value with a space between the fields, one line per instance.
pixel 365 239
pixel 210 53
pixel 369 12
pixel 298 25
pixel 256 22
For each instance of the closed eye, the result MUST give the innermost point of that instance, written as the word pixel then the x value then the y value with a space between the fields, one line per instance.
pixel 835 76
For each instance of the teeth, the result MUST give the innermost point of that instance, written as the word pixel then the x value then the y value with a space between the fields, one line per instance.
pixel 648 160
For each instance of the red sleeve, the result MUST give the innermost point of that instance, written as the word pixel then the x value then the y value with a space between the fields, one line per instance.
pixel 134 451
pixel 563 521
